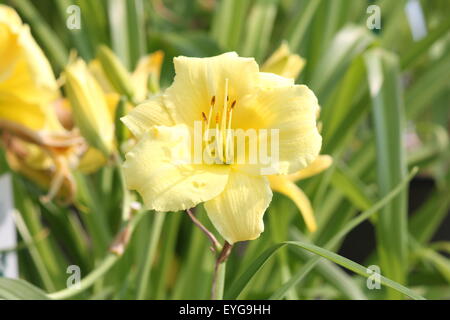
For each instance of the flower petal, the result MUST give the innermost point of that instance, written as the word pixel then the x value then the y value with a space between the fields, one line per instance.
pixel 24 70
pixel 321 163
pixel 271 80
pixel 197 80
pixel 15 110
pixel 282 185
pixel 157 168
pixel 292 111
pixel 237 213
pixel 148 114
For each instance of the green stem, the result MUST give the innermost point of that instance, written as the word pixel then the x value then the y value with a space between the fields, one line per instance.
pixel 155 233
pixel 219 281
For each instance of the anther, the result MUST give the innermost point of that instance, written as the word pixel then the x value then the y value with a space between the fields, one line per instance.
pixel 213 100
pixel 204 117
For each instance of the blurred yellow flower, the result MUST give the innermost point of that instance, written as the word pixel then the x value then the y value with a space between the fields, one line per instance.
pixel 36 122
pixel 226 92
pixel 27 83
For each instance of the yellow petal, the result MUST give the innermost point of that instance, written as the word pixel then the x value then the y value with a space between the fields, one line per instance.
pixel 29 75
pixel 321 163
pixel 91 161
pixel 10 25
pixel 148 114
pixel 292 111
pixel 237 213
pixel 282 185
pixel 284 63
pixel 112 100
pixel 197 80
pixel 27 84
pixel 271 80
pixel 12 109
pixel 157 168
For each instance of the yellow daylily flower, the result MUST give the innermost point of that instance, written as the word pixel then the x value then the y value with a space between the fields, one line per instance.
pixel 27 83
pixel 90 106
pixel 227 92
pixel 286 185
pixel 284 63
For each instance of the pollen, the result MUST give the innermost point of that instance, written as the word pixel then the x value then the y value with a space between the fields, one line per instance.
pixel 220 121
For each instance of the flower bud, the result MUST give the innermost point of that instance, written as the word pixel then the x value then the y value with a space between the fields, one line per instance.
pixel 89 106
pixel 284 63
pixel 115 71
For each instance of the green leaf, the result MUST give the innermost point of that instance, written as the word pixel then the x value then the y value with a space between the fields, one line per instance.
pixel 346 45
pixel 389 122
pixel 79 37
pixel 17 289
pixel 259 29
pixel 136 30
pixel 424 45
pixel 421 94
pixel 253 267
pixel 296 31
pixel 355 267
pixel 228 22
pixel 344 180
pixel 120 41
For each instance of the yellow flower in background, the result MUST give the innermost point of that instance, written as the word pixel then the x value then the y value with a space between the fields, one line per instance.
pixel 145 77
pixel 37 126
pixel 27 83
pixel 229 93
pixel 284 63
pixel 90 106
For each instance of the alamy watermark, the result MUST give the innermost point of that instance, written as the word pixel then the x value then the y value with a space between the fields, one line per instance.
pixel 75 276
pixel 374 280
pixel 259 147
pixel 374 20
pixel 73 21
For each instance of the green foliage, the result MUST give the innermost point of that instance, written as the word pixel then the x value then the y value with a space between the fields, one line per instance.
pixel 377 90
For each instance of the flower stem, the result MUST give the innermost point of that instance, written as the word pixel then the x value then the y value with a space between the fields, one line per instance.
pixel 150 256
pixel 215 245
pixel 218 283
